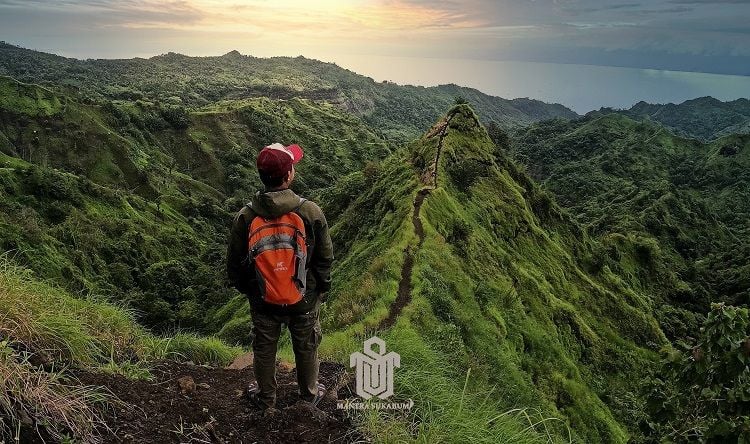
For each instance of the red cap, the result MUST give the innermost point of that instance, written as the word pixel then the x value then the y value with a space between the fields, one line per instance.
pixel 276 160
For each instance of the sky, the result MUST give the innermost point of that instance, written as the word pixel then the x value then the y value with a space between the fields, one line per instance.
pixel 687 35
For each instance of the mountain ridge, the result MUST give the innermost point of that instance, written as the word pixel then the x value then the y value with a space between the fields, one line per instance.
pixel 205 80
pixel 703 118
pixel 498 277
pixel 523 311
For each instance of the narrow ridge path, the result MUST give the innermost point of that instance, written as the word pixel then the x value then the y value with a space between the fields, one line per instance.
pixel 403 296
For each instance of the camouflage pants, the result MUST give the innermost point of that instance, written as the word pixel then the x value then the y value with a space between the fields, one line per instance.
pixel 306 335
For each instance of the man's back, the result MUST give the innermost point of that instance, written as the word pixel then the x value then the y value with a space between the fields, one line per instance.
pixel 271 204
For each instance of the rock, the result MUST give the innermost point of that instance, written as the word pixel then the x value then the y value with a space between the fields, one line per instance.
pixel 187 385
pixel 203 385
pixel 241 362
pixel 40 358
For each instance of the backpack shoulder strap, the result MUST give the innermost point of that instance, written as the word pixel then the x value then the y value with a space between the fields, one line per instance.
pixel 308 227
pixel 301 201
pixel 252 214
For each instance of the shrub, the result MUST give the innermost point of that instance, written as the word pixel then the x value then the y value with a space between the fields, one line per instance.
pixel 702 392
pixel 177 117
pixel 466 172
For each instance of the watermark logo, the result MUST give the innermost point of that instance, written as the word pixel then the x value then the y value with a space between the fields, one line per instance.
pixel 375 369
pixel 374 376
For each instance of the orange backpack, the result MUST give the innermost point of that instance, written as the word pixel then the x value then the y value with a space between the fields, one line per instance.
pixel 278 252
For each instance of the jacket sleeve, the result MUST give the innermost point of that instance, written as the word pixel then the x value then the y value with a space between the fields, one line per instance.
pixel 322 259
pixel 237 253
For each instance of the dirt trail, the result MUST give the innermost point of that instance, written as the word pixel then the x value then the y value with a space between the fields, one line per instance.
pixel 215 410
pixel 443 132
pixel 403 296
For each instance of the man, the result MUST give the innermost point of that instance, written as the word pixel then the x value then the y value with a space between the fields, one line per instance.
pixel 272 304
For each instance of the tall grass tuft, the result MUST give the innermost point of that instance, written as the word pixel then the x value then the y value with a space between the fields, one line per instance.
pixel 33 398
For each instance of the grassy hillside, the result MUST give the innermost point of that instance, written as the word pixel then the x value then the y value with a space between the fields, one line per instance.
pixel 483 286
pixel 400 113
pixel 132 199
pixel 682 205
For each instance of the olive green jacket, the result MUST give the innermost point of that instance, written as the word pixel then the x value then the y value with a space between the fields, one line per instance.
pixel 319 253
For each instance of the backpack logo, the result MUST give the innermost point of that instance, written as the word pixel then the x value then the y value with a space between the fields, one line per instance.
pixel 280 266
pixel 374 369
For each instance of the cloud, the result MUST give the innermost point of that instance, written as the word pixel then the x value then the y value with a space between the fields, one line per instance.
pixel 590 30
pixel 109 12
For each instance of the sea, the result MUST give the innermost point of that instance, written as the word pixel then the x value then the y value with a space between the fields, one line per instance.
pixel 580 87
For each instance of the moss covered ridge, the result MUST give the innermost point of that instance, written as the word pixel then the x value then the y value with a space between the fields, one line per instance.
pixel 501 295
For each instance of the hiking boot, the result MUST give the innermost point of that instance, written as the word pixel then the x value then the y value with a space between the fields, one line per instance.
pixel 253 394
pixel 319 395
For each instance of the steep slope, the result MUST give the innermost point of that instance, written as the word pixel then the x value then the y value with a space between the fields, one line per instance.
pixel 139 145
pixel 484 287
pixel 131 199
pixel 631 182
pixel 399 112
pixel 704 118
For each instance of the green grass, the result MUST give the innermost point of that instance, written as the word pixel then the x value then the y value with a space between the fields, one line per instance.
pixel 522 327
pixel 86 331
pixel 501 293
pixel 28 99
pixel 448 406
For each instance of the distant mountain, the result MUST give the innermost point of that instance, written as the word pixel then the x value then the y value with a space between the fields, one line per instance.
pixel 633 181
pixel 704 118
pixel 399 112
